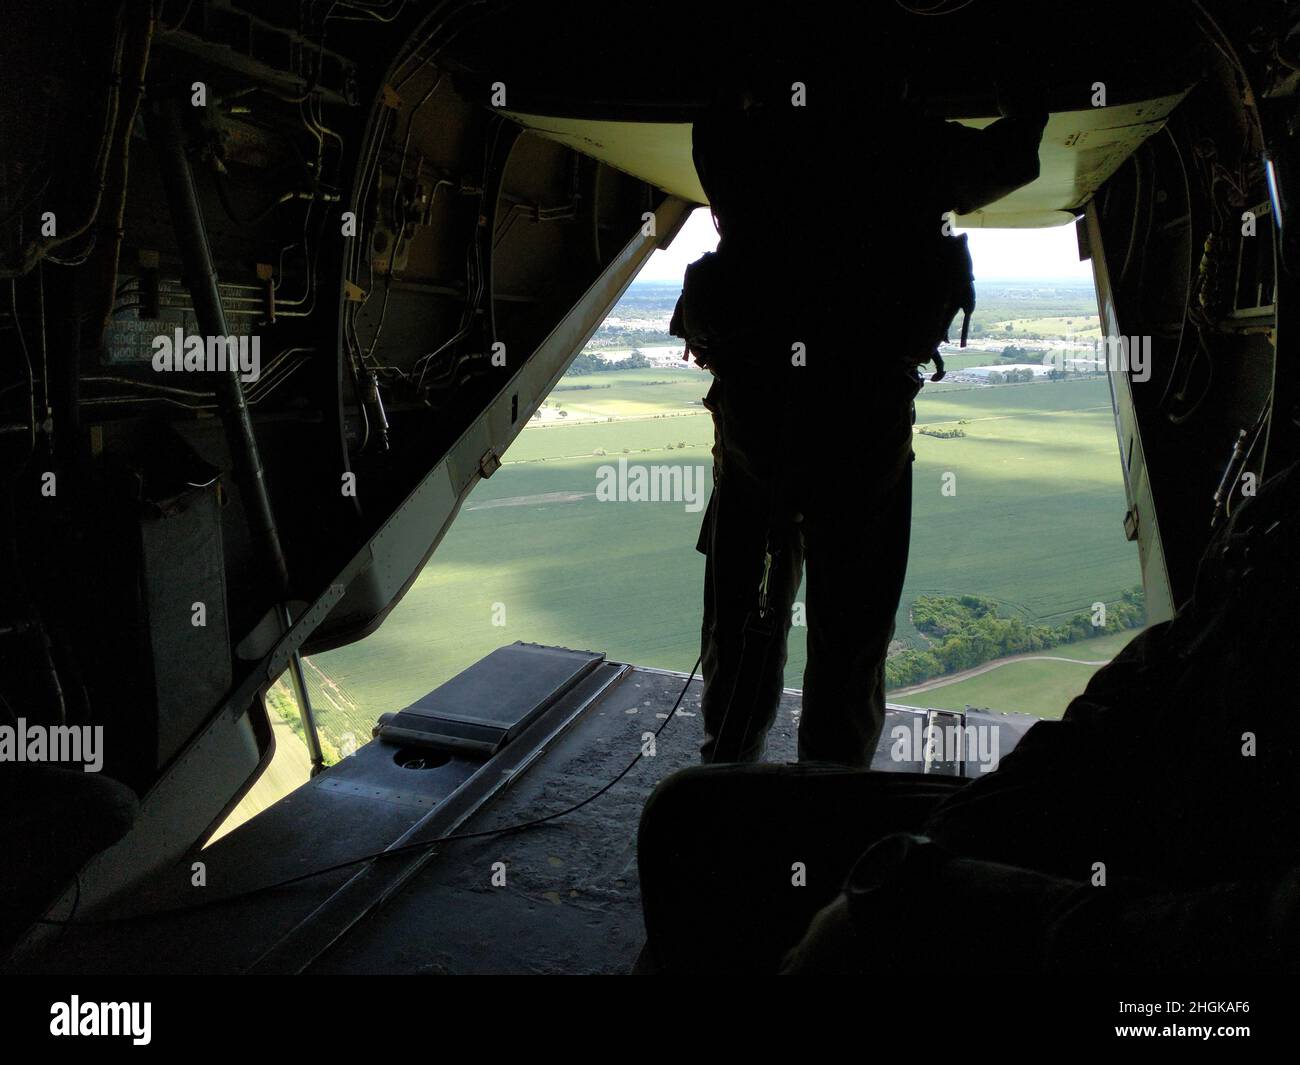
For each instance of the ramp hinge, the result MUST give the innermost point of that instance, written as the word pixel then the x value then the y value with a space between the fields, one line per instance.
pixel 1131 523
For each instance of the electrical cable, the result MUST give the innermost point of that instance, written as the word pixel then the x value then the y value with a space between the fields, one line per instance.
pixel 38 249
pixel 371 14
pixel 1256 435
pixel 475 280
pixel 1187 295
pixel 165 30
pixel 31 378
pixel 399 227
pixel 392 852
pixel 937 8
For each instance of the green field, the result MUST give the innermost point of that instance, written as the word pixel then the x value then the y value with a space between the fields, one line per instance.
pixel 1043 689
pixel 1038 685
pixel 584 439
pixel 1064 326
pixel 631 393
pixel 961 360
pixel 1035 522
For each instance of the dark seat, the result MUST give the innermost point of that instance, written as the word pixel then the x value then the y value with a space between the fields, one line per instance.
pixel 54 820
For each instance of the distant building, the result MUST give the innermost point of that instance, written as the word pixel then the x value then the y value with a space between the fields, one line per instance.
pixel 981 373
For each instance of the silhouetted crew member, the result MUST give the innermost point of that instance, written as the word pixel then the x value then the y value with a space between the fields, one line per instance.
pixel 832 236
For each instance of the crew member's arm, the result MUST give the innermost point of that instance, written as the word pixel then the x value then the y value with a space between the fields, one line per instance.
pixel 1032 922
pixel 993 162
pixel 987 164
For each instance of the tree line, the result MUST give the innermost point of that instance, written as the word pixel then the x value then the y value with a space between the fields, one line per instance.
pixel 966 631
pixel 585 364
pixel 1010 376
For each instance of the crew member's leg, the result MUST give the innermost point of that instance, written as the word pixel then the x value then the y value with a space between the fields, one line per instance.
pixel 856 532
pixel 743 656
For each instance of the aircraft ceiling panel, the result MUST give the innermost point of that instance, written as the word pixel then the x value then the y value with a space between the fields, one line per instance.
pixel 1080 150
pixel 655 152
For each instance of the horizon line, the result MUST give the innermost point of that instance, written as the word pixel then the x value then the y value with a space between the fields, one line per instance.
pixel 990 277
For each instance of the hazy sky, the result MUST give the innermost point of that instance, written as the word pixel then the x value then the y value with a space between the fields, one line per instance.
pixel 999 254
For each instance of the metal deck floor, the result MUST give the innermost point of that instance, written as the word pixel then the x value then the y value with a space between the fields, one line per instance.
pixel 569 902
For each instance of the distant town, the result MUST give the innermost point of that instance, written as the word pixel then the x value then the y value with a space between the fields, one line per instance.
pixel 1020 331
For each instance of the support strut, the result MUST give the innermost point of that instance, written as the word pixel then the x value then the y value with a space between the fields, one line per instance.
pixel 168 140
